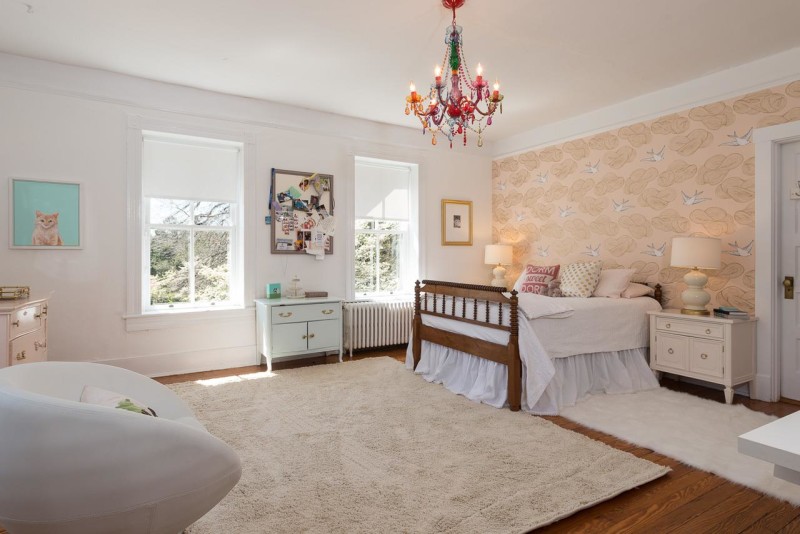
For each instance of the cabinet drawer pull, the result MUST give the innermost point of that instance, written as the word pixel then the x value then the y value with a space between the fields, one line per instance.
pixel 37 345
pixel 304 336
pixel 44 311
pixel 285 314
pixel 21 355
pixel 37 315
pixel 327 312
pixel 708 331
pixel 670 351
pixel 703 356
pixel 15 323
pixel 669 325
pixel 310 336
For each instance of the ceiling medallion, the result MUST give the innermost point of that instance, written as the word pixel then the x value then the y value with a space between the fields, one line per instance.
pixel 453 104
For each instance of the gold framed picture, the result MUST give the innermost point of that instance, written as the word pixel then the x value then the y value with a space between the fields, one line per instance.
pixel 457 222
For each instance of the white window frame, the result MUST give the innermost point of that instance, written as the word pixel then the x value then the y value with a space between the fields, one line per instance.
pixel 413 256
pixel 137 315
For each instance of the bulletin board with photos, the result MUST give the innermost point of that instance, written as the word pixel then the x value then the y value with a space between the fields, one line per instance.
pixel 299 203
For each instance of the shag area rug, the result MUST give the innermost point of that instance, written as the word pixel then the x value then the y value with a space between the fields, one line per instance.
pixel 695 431
pixel 367 446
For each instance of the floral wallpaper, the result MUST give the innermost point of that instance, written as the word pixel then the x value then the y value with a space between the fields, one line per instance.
pixel 620 196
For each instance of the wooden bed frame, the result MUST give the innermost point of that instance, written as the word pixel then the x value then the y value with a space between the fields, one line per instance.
pixel 439 296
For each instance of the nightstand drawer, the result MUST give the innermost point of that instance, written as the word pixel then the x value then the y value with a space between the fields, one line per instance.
pixel 671 351
pixel 306 312
pixel 706 358
pixel 26 320
pixel 694 328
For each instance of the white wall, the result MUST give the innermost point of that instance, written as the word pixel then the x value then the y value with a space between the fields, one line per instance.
pixel 66 123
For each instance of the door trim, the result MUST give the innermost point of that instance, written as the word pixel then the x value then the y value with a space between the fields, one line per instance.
pixel 768 141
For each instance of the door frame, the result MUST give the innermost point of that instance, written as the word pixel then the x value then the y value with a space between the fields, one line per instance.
pixel 768 142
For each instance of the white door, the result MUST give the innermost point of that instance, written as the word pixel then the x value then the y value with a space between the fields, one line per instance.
pixel 790 263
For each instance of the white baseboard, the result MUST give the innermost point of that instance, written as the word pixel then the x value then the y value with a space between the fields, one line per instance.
pixel 762 386
pixel 188 362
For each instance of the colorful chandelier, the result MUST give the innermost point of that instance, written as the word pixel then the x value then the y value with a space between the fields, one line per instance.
pixel 458 103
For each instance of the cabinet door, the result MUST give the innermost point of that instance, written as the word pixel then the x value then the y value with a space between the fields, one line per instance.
pixel 289 337
pixel 671 351
pixel 324 334
pixel 706 358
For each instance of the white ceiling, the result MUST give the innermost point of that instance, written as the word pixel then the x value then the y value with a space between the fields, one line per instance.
pixel 554 58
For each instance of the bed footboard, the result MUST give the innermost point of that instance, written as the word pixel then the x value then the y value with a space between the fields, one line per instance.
pixel 474 304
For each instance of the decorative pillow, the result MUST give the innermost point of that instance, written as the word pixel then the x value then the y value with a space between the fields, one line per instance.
pixel 104 397
pixel 534 278
pixel 580 279
pixel 613 282
pixel 637 290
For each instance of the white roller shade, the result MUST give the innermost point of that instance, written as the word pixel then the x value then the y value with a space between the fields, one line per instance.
pixel 189 168
pixel 382 192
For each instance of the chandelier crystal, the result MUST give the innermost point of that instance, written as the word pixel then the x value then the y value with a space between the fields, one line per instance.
pixel 456 103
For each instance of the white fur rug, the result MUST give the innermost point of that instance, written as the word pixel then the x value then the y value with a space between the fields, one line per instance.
pixel 368 446
pixel 698 432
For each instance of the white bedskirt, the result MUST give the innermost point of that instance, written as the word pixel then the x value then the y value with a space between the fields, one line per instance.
pixel 481 380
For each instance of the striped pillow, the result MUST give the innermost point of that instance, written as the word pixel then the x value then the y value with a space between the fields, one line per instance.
pixel 580 279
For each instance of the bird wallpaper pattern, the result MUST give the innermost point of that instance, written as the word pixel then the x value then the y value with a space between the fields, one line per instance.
pixel 621 195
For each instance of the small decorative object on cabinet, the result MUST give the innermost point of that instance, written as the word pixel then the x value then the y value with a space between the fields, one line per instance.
pixel 23 331
pixel 295 289
pixel 291 328
pixel 714 349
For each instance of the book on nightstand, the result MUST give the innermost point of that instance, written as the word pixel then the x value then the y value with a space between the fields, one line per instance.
pixel 730 312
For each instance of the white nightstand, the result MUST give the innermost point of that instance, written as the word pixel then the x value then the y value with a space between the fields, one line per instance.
pixel 721 351
pixel 287 328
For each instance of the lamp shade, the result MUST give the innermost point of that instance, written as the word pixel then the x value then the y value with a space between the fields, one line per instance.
pixel 699 252
pixel 498 254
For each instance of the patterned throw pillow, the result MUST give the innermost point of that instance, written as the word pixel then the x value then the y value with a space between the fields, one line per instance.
pixel 535 278
pixel 580 279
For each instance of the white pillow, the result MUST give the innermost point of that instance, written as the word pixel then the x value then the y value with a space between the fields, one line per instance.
pixel 637 290
pixel 580 279
pixel 613 282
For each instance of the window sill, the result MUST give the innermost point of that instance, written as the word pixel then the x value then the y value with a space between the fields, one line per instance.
pixel 181 318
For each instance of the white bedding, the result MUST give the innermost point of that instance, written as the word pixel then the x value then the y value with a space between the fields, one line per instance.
pixel 556 363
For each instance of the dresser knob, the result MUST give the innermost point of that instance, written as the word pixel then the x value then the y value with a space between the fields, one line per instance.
pixel 669 325
pixel 708 331
pixel 310 336
pixel 704 356
pixel 37 315
pixel 285 314
pixel 327 312
pixel 21 356
pixel 670 351
pixel 37 345
pixel 15 323
pixel 305 336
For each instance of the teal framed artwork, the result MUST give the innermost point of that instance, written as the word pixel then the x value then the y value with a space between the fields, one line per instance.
pixel 44 214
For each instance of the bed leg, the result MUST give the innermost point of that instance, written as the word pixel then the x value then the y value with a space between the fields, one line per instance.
pixel 416 348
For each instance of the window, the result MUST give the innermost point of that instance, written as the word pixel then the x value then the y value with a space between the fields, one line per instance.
pixel 191 223
pixel 386 242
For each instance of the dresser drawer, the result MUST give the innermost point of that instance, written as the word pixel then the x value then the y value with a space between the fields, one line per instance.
pixel 694 328
pixel 706 357
pixel 671 351
pixel 28 348
pixel 26 320
pixel 295 313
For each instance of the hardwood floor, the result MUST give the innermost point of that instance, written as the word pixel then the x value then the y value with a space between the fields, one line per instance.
pixel 686 500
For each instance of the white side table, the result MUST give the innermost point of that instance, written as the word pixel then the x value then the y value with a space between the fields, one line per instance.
pixel 288 328
pixel 777 442
pixel 717 350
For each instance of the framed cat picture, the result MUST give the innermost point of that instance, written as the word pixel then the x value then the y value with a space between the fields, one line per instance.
pixel 44 214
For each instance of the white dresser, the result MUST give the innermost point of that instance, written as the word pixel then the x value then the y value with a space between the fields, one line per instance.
pixel 289 328
pixel 717 350
pixel 23 331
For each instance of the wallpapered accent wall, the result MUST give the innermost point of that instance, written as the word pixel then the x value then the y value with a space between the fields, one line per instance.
pixel 620 196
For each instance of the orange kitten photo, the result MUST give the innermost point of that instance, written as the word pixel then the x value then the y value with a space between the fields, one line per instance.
pixel 45 229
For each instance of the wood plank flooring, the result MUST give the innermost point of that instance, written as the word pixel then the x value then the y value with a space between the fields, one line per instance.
pixel 686 500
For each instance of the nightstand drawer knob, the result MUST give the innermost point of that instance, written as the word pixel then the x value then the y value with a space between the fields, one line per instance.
pixel 15 323
pixel 670 351
pixel 669 325
pixel 285 314
pixel 704 356
pixel 708 331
